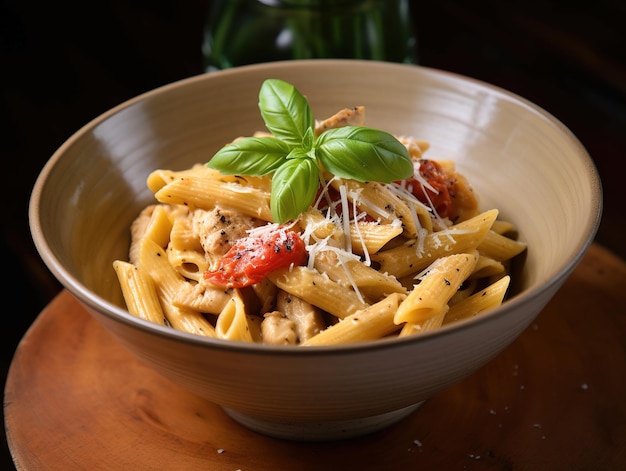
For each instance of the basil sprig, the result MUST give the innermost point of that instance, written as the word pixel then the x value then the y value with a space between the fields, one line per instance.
pixel 293 154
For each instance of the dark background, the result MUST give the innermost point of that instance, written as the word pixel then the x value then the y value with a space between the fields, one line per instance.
pixel 64 63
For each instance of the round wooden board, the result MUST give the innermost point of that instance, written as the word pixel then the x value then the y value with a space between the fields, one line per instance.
pixel 75 399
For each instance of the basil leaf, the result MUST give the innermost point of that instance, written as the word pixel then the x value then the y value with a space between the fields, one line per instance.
pixel 250 156
pixel 308 139
pixel 286 112
pixel 297 153
pixel 363 154
pixel 294 186
pixel 293 155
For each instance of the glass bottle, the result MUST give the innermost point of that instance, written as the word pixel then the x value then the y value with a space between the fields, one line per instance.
pixel 240 32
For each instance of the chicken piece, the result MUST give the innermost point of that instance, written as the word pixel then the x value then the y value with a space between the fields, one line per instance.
pixel 347 117
pixel 308 320
pixel 276 329
pixel 220 228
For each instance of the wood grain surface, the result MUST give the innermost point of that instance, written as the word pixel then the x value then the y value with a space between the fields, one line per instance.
pixel 554 399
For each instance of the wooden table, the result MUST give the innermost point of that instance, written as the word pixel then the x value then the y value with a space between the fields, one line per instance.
pixel 555 399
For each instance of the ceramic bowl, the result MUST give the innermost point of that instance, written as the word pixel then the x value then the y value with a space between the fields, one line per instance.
pixel 517 156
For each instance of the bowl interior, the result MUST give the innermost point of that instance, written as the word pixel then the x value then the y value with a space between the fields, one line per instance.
pixel 518 158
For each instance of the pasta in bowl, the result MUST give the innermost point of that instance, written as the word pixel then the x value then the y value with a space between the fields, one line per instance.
pixel 219 256
pixel 332 340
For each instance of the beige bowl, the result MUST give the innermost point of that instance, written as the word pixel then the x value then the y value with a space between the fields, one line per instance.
pixel 519 159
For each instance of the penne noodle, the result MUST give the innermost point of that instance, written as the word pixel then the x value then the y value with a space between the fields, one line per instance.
pixel 153 260
pixel 488 298
pixel 232 322
pixel 499 247
pixel 161 177
pixel 370 323
pixel 254 323
pixel 487 267
pixel 380 203
pixel 415 256
pixel 182 235
pixel 427 325
pixel 139 292
pixel 191 264
pixel 466 290
pixel 318 290
pixel 351 273
pixel 502 227
pixel 370 237
pixel 196 192
pixel 319 226
pixel 152 223
pixel 431 295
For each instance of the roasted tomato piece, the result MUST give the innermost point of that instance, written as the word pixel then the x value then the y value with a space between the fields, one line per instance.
pixel 441 199
pixel 252 258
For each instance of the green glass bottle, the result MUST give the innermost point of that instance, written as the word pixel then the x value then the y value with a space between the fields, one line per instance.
pixel 240 32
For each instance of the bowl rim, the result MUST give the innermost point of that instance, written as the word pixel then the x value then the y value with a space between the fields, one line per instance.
pixel 104 307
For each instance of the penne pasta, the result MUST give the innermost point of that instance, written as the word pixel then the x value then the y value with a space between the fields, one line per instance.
pixel 499 247
pixel 370 237
pixel 486 267
pixel 153 223
pixel 373 322
pixel 161 177
pixel 319 290
pixel 153 260
pixel 438 285
pixel 139 292
pixel 193 191
pixel 416 255
pixel 182 235
pixel 503 227
pixel 365 260
pixel 232 322
pixel 371 283
pixel 191 264
pixel 380 203
pixel 426 325
pixel 487 298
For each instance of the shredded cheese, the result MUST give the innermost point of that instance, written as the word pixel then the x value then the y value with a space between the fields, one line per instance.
pixel 345 211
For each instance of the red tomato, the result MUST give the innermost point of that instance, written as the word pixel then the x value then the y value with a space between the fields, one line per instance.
pixel 433 173
pixel 252 258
